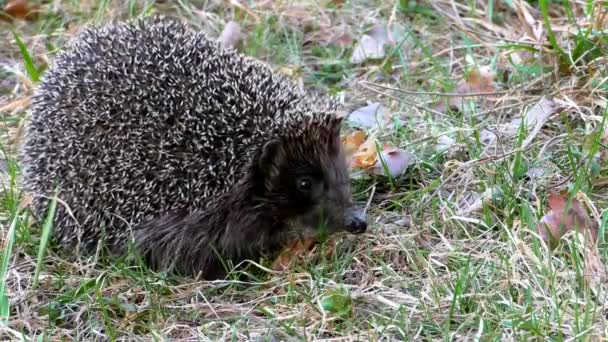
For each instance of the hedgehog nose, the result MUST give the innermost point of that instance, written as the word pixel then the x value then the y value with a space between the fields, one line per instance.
pixel 356 223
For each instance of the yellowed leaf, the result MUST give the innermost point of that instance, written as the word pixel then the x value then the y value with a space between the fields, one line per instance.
pixel 352 142
pixel 366 156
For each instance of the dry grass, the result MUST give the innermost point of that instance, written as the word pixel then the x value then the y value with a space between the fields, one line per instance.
pixel 452 252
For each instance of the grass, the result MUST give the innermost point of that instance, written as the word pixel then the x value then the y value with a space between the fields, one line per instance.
pixel 453 252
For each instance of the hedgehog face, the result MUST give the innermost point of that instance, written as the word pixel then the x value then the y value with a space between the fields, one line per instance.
pixel 308 182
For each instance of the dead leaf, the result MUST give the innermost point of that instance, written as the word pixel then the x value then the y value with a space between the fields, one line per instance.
pixel 537 116
pixel 20 9
pixel 478 80
pixel 293 251
pixel 232 35
pixel 326 35
pixel 371 116
pixel 474 202
pixel 558 221
pixel 444 143
pixel 353 141
pixel 366 156
pixel 396 161
pixel 371 45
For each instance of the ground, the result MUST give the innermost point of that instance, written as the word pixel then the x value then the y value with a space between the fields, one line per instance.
pixel 456 247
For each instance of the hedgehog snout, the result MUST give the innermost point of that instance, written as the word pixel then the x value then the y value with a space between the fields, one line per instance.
pixel 355 221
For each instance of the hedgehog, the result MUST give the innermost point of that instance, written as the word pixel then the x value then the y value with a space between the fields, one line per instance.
pixel 158 140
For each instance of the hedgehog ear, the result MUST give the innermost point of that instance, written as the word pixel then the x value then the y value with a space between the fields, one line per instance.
pixel 268 156
pixel 334 140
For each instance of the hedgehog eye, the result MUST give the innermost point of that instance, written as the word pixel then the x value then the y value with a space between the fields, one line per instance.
pixel 304 183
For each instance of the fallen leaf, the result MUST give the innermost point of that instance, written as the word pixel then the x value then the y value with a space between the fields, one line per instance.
pixel 366 156
pixel 444 143
pixel 371 116
pixel 558 221
pixel 476 81
pixel 371 45
pixel 537 116
pixel 353 141
pixel 294 250
pixel 20 9
pixel 396 161
pixel 329 34
pixel 232 35
pixel 343 39
pixel 474 202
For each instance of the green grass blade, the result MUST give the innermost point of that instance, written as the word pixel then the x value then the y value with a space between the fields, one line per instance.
pixel 44 239
pixel 544 8
pixel 10 241
pixel 27 59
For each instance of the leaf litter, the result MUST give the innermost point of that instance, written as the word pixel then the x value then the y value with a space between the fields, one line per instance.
pixel 562 218
pixel 477 80
pixel 372 116
pixel 372 45
pixel 537 116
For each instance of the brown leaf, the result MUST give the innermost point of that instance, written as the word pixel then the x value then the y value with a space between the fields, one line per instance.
pixel 353 141
pixel 329 34
pixel 343 39
pixel 366 156
pixel 479 80
pixel 396 160
pixel 294 250
pixel 232 35
pixel 558 221
pixel 20 9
